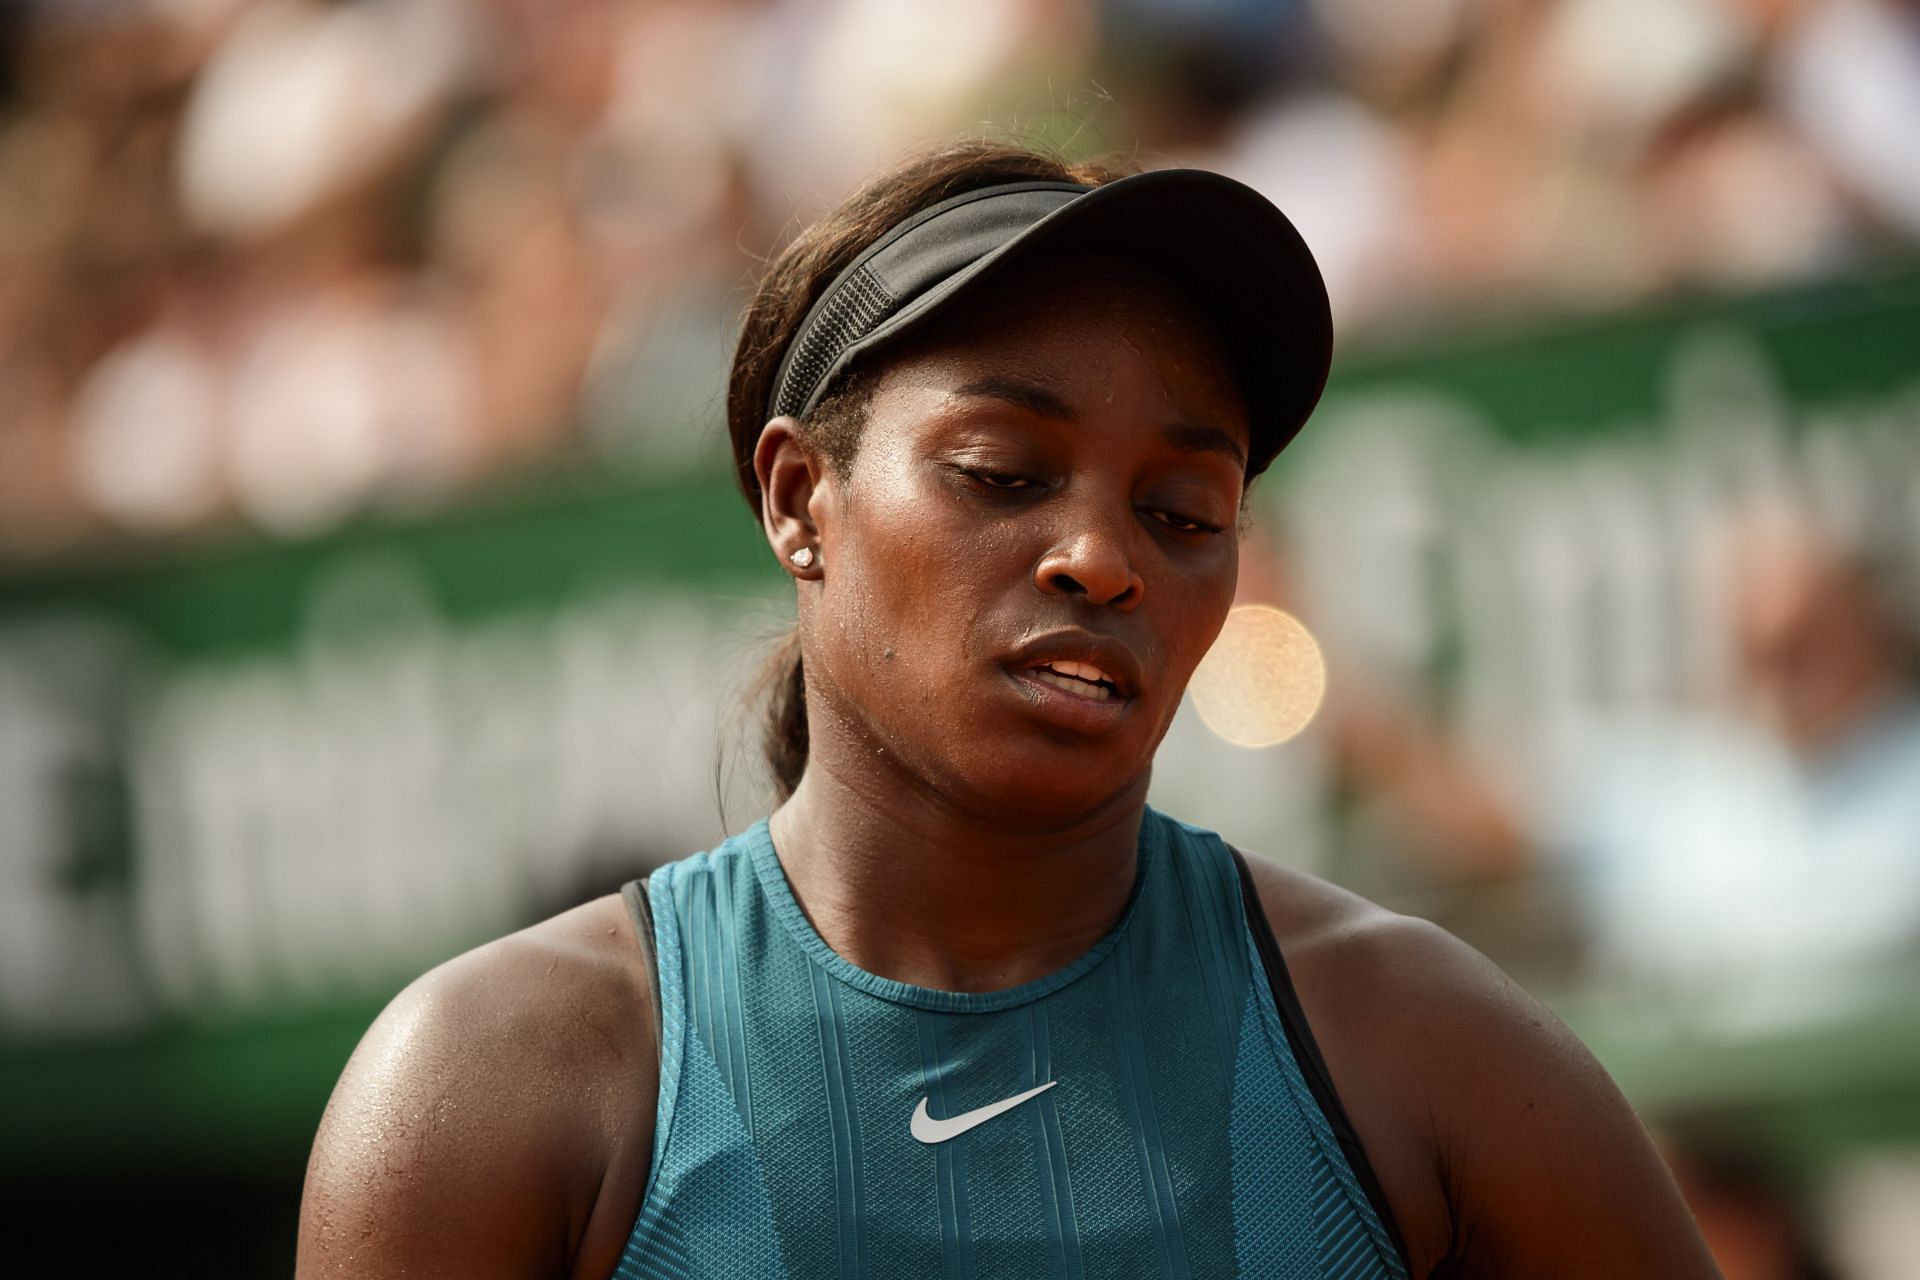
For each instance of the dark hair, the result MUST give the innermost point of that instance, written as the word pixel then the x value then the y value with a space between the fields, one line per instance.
pixel 789 289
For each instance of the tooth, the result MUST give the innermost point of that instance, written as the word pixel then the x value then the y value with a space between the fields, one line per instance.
pixel 1099 693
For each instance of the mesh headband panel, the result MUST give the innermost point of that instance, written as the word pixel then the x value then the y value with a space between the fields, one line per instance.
pixel 902 267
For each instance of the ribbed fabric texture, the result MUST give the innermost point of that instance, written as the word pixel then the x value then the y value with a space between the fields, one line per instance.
pixel 1179 1137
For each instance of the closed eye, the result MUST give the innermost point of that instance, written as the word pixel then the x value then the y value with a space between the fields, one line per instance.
pixel 997 479
pixel 1184 524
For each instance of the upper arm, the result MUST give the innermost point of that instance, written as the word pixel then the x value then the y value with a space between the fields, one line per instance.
pixel 1546 1168
pixel 421 1164
pixel 479 1124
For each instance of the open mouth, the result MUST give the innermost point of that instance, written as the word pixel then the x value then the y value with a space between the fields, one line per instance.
pixel 1080 678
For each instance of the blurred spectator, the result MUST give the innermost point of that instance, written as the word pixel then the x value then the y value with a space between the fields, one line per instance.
pixel 1765 852
pixel 1771 850
pixel 1735 197
pixel 1849 73
pixel 303 99
pixel 854 82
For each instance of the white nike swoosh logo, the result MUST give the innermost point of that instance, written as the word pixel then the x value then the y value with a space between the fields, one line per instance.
pixel 930 1131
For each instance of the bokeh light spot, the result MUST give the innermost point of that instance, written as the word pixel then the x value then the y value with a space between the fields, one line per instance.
pixel 1263 680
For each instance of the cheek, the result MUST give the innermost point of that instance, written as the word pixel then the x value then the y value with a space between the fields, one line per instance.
pixel 1196 604
pixel 915 582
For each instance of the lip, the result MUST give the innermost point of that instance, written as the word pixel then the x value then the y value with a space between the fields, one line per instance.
pixel 1073 710
pixel 1076 645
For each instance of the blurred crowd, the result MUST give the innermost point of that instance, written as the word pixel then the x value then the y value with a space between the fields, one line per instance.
pixel 273 264
pixel 1755 852
pixel 276 262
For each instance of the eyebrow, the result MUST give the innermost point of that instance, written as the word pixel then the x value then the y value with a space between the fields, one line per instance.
pixel 1196 439
pixel 1036 399
pixel 1025 395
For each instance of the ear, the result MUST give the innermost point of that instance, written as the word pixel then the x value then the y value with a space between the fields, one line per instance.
pixel 789 473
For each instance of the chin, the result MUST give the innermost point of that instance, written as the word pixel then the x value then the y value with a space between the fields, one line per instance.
pixel 1056 786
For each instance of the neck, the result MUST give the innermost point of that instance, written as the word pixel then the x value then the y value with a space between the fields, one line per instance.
pixel 908 885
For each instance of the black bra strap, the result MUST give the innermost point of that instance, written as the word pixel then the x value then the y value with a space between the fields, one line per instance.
pixel 1307 1053
pixel 640 906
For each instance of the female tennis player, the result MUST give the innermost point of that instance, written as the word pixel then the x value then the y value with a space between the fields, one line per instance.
pixel 964 1005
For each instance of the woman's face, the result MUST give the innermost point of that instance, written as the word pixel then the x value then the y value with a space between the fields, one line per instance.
pixel 1035 545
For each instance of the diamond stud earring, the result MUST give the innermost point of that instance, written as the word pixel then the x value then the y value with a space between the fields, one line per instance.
pixel 802 558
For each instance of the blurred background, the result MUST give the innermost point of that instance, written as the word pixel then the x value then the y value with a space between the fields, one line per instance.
pixel 371 582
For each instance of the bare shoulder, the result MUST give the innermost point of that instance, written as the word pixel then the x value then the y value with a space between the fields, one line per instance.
pixel 497 1117
pixel 1500 1142
pixel 1311 916
pixel 1365 972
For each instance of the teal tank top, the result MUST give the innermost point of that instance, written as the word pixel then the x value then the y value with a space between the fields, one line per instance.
pixel 1156 1108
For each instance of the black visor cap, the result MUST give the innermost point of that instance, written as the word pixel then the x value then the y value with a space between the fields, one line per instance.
pixel 1220 241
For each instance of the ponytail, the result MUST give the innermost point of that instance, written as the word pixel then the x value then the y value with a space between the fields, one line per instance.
pixel 784 732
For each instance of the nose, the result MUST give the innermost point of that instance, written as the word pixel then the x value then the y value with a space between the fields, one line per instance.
pixel 1092 559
